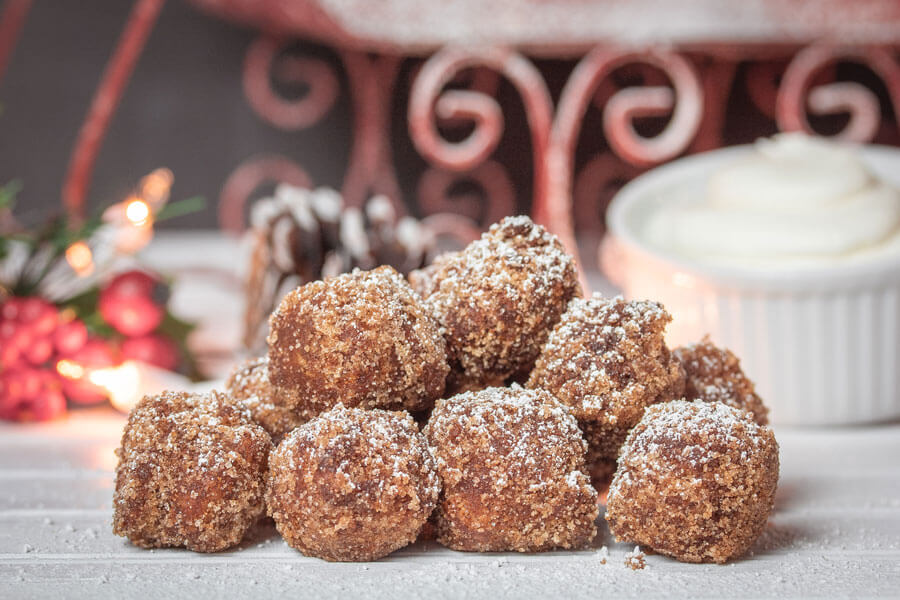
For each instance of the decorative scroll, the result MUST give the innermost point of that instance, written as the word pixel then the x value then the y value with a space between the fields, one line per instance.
pixel 838 97
pixel 248 177
pixel 264 62
pixel 434 192
pixel 595 184
pixel 554 139
pixel 428 99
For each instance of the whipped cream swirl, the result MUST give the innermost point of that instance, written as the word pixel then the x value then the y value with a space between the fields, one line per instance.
pixel 796 198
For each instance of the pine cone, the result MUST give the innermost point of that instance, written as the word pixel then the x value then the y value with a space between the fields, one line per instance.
pixel 301 235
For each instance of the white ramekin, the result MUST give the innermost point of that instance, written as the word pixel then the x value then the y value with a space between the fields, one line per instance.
pixel 822 344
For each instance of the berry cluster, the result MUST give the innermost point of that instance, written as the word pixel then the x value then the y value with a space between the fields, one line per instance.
pixel 47 353
pixel 31 337
pixel 127 303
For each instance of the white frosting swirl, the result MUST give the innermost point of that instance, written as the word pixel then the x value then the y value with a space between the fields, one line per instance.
pixel 795 199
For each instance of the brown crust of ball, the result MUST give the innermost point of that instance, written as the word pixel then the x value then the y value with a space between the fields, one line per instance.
pixel 714 375
pixel 498 299
pixel 512 465
pixel 607 359
pixel 422 280
pixel 191 473
pixel 695 481
pixel 352 484
pixel 360 339
pixel 276 411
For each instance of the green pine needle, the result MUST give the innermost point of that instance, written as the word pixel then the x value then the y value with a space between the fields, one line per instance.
pixel 181 208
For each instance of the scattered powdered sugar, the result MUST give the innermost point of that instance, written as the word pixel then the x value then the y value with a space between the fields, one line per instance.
pixel 634 560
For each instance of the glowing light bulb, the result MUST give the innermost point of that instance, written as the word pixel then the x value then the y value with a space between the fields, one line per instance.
pixel 155 186
pixel 80 258
pixel 123 384
pixel 70 369
pixel 137 211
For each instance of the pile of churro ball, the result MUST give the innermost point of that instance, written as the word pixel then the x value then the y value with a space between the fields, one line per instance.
pixel 483 403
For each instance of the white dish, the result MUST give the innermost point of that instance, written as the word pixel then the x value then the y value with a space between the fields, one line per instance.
pixel 822 344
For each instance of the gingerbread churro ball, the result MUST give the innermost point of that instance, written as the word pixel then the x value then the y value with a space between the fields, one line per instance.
pixel 498 299
pixel 352 484
pixel 422 280
pixel 272 409
pixel 512 464
pixel 607 359
pixel 191 472
pixel 360 339
pixel 695 480
pixel 714 375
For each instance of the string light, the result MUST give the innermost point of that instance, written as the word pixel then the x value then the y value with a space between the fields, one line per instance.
pixel 154 187
pixel 137 212
pixel 123 384
pixel 70 369
pixel 80 258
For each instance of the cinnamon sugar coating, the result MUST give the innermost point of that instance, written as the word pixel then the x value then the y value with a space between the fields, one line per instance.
pixel 191 473
pixel 714 375
pixel 608 360
pixel 512 465
pixel 352 484
pixel 498 299
pixel 274 410
pixel 695 481
pixel 361 339
pixel 422 280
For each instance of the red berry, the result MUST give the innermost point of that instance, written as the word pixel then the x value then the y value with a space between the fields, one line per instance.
pixel 95 354
pixel 31 383
pixel 130 284
pixel 152 349
pixel 39 351
pixel 131 315
pixel 11 384
pixel 9 387
pixel 7 329
pixel 70 337
pixel 9 408
pixel 42 315
pixel 13 348
pixel 9 310
pixel 48 405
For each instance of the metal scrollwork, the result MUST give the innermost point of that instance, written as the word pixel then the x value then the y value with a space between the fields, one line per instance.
pixel 265 61
pixel 796 92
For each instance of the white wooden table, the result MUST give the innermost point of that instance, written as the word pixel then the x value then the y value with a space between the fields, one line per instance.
pixel 835 532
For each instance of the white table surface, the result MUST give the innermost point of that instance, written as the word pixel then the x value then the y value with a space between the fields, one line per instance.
pixel 835 531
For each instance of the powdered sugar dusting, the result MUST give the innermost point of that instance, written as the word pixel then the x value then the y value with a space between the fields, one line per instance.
pixel 715 375
pixel 498 299
pixel 362 339
pixel 352 484
pixel 695 480
pixel 512 464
